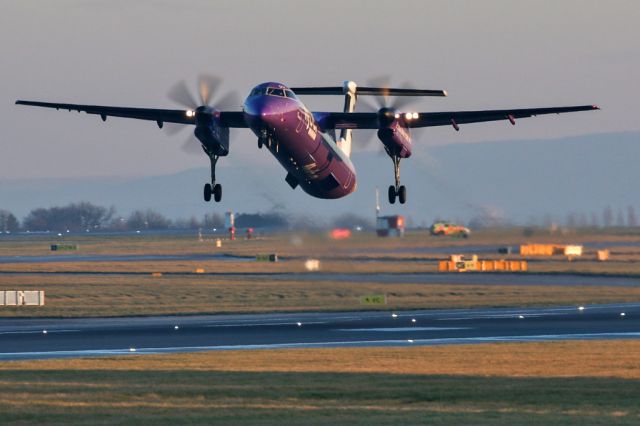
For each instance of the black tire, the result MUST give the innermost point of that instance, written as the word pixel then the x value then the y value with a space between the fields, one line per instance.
pixel 260 143
pixel 392 195
pixel 217 192
pixel 207 192
pixel 402 194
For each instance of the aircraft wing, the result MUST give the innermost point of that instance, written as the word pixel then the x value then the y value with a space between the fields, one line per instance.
pixel 180 116
pixel 369 120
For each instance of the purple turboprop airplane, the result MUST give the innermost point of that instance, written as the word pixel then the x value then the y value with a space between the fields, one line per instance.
pixel 305 142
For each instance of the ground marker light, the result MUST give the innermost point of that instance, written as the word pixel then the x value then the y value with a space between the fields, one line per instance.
pixel 44 331
pixel 622 314
pixel 394 315
pixel 413 320
pixel 175 327
pixel 581 308
pixel 410 340
pixel 299 324
pixel 521 316
pixel 132 349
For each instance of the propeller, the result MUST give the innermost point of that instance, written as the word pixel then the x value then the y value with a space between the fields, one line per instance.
pixel 387 101
pixel 385 104
pixel 208 93
pixel 180 94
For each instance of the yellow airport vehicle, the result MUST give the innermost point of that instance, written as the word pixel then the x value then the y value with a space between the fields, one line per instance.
pixel 449 229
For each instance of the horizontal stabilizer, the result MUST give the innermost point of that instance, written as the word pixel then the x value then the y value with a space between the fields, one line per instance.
pixel 371 91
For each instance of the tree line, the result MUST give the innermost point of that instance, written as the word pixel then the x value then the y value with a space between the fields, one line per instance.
pixel 83 216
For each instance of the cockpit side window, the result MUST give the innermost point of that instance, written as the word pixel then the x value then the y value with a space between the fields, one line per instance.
pixel 290 94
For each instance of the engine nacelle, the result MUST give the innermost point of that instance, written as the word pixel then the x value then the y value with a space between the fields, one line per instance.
pixel 210 131
pixel 393 133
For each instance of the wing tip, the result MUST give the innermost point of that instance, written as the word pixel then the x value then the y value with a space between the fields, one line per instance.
pixel 594 106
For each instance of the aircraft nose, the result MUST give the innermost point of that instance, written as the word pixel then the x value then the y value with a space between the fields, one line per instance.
pixel 261 108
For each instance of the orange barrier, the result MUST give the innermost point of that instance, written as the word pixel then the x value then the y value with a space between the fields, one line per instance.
pixel 537 249
pixel 603 255
pixel 550 250
pixel 483 265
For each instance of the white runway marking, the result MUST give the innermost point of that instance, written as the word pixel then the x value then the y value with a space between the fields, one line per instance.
pixel 505 315
pixel 262 324
pixel 403 329
pixel 40 331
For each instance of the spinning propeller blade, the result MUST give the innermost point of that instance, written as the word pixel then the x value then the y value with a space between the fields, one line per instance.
pixel 207 85
pixel 180 94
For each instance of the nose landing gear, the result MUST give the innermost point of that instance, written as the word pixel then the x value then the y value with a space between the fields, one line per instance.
pixel 264 139
pixel 399 191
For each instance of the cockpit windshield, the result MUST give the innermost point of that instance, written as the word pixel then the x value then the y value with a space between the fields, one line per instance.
pixel 273 91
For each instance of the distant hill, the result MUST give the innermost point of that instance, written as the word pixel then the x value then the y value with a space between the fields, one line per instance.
pixel 520 180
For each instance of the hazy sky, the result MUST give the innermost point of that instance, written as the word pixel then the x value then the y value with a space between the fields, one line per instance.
pixel 486 54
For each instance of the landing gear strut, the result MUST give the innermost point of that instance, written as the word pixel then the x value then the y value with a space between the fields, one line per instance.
pixel 213 188
pixel 398 190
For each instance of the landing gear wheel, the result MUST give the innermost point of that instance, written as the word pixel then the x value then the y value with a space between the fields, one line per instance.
pixel 402 194
pixel 392 195
pixel 260 143
pixel 207 192
pixel 217 192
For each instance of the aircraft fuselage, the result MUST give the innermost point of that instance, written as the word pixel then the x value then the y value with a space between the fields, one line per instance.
pixel 290 132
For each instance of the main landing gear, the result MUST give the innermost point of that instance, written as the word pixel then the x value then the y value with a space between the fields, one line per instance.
pixel 213 188
pixel 398 190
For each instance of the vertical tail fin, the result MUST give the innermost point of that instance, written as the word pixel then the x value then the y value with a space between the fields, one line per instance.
pixel 349 90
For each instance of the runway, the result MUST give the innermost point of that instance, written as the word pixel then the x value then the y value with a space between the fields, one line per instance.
pixel 69 338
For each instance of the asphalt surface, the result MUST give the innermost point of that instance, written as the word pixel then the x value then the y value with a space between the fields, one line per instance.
pixel 468 278
pixel 72 257
pixel 68 338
